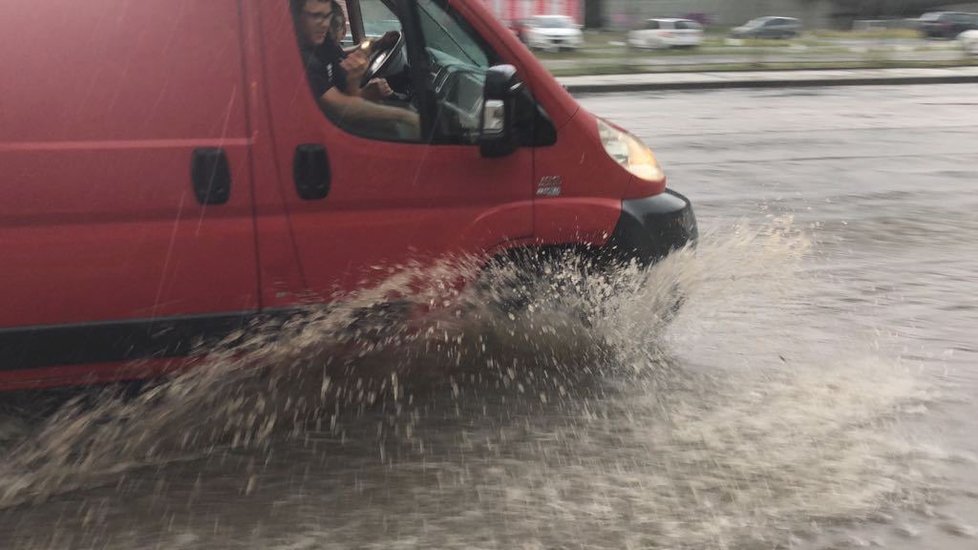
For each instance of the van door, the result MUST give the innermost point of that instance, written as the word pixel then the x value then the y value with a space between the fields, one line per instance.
pixel 390 198
pixel 125 189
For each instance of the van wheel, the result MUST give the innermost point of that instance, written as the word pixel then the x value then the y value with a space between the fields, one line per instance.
pixel 528 280
pixel 581 282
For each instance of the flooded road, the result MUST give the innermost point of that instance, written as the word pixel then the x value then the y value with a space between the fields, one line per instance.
pixel 816 390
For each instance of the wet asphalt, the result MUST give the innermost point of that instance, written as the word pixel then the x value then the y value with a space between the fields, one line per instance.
pixel 882 180
pixel 816 391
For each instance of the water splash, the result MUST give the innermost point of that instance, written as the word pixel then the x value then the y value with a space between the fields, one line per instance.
pixel 594 415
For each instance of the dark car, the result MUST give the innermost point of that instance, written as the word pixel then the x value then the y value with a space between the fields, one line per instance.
pixel 946 24
pixel 768 27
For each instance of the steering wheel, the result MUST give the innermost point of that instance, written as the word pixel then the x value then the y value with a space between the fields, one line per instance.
pixel 385 53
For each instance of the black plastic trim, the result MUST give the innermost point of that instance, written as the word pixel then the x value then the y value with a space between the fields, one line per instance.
pixel 311 171
pixel 60 345
pixel 650 228
pixel 211 175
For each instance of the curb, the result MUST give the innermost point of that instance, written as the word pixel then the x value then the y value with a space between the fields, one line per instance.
pixel 598 87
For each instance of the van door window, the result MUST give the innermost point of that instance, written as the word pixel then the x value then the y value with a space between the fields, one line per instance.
pixel 458 61
pixel 458 72
pixel 363 89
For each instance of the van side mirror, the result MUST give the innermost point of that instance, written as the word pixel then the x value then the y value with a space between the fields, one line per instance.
pixel 497 135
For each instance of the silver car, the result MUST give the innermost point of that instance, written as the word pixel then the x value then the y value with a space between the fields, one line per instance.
pixel 552 33
pixel 667 33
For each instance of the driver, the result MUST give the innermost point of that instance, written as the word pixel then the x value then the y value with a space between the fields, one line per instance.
pixel 334 75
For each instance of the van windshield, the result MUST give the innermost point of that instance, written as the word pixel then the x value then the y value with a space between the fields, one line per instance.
pixel 446 39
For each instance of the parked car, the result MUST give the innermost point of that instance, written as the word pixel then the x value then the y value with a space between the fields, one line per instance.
pixel 969 41
pixel 768 27
pixel 667 33
pixel 553 32
pixel 946 24
pixel 177 202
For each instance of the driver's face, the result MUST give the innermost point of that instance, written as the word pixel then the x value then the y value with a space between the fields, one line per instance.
pixel 316 19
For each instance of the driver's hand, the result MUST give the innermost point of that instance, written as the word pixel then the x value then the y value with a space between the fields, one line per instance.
pixel 385 42
pixel 355 66
pixel 376 89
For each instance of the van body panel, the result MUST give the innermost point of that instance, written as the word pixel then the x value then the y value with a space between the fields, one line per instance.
pixel 107 254
pixel 98 213
pixel 588 201
pixel 576 220
pixel 120 70
pixel 390 203
pixel 280 272
pixel 96 235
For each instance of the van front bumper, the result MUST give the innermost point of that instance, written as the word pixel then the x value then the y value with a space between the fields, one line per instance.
pixel 652 227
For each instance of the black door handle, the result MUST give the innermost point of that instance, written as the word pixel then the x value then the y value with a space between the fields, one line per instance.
pixel 310 170
pixel 211 175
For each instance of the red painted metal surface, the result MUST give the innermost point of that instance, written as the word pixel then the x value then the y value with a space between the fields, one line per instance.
pixel 103 108
pixel 390 203
pixel 98 216
pixel 591 187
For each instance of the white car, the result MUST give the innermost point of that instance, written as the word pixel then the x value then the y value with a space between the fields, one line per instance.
pixel 667 33
pixel 969 41
pixel 552 32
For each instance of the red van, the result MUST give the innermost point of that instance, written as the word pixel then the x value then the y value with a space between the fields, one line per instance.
pixel 166 174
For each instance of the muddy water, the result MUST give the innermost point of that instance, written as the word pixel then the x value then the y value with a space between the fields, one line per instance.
pixel 816 390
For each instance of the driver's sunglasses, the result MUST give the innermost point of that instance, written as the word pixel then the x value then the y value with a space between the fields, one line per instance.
pixel 320 18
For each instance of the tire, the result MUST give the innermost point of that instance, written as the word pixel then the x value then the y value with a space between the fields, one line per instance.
pixel 525 279
pixel 573 280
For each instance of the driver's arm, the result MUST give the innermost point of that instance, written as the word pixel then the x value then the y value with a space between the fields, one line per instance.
pixel 341 106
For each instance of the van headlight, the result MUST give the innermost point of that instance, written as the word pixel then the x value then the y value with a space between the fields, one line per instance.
pixel 628 151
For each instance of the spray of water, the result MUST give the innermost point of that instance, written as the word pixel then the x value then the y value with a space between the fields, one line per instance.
pixel 591 413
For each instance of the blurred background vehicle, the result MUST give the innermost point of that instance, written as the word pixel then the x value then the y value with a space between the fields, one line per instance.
pixel 518 26
pixel 667 33
pixel 768 27
pixel 969 41
pixel 946 24
pixel 553 32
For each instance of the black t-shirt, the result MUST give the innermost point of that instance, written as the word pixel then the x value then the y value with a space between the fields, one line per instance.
pixel 323 67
